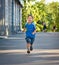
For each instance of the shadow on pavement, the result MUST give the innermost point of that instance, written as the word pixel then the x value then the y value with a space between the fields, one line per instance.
pixel 17 58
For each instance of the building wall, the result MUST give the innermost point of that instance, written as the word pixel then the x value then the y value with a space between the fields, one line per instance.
pixel 11 16
pixel 2 17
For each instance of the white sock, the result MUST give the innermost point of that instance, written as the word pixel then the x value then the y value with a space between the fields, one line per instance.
pixel 28 48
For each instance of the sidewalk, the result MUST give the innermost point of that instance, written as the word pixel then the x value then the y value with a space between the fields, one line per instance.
pixel 21 35
pixel 36 57
pixel 46 50
pixel 24 51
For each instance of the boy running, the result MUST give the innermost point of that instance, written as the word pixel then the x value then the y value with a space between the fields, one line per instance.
pixel 30 33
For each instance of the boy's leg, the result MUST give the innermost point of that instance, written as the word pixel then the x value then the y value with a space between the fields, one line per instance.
pixel 28 47
pixel 31 48
pixel 28 40
pixel 32 41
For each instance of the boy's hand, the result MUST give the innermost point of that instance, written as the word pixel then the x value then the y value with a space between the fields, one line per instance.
pixel 33 33
pixel 24 30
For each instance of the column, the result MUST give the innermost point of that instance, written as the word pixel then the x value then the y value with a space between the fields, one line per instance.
pixel 6 16
pixel 20 18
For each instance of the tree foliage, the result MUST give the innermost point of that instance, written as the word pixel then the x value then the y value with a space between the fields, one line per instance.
pixel 48 13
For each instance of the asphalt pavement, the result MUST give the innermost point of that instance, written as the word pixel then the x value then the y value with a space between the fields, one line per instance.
pixel 46 50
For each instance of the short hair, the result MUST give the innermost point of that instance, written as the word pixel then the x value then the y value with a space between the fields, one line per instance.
pixel 30 15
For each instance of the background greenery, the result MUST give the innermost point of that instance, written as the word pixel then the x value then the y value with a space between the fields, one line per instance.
pixel 48 13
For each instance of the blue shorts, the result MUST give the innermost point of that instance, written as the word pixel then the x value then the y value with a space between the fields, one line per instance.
pixel 30 40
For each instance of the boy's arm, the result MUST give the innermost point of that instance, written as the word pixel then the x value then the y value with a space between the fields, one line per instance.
pixel 34 26
pixel 34 32
pixel 24 30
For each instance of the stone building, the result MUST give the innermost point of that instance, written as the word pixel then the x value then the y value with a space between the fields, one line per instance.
pixel 10 16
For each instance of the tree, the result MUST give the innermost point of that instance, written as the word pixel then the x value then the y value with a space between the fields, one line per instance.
pixel 48 13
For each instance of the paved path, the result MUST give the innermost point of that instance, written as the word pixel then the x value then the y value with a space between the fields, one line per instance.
pixel 42 41
pixel 46 50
